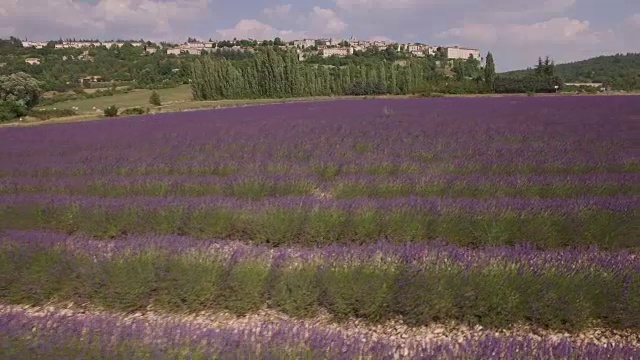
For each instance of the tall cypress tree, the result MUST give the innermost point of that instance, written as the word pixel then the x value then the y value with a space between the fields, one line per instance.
pixel 490 72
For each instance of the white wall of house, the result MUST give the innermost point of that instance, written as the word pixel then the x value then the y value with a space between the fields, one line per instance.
pixel 462 53
pixel 336 51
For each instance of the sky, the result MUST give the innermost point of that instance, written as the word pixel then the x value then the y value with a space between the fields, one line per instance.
pixel 516 31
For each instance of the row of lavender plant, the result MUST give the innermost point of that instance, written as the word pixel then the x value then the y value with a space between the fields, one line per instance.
pixel 53 335
pixel 607 222
pixel 261 187
pixel 420 284
pixel 326 169
pixel 526 256
pixel 626 179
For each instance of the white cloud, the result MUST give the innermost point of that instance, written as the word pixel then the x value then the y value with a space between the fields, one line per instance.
pixel 633 20
pixel 254 29
pixel 554 31
pixel 325 21
pixel 503 9
pixel 419 20
pixel 137 18
pixel 527 6
pixel 558 30
pixel 318 22
pixel 562 38
pixel 483 33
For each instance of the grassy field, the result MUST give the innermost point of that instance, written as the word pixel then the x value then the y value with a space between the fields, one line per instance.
pixel 138 97
pixel 173 100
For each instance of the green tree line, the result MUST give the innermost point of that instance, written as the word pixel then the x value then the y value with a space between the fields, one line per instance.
pixel 276 74
pixel 542 80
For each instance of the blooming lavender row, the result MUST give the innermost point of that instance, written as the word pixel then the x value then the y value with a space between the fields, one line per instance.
pixel 460 132
pixel 381 252
pixel 327 168
pixel 52 332
pixel 78 182
pixel 620 203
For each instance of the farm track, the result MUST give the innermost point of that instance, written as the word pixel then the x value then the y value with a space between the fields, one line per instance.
pixel 405 341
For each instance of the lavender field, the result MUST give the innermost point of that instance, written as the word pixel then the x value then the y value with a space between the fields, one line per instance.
pixel 493 214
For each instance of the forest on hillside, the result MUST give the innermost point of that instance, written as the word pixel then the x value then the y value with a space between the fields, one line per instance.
pixel 621 71
pixel 60 69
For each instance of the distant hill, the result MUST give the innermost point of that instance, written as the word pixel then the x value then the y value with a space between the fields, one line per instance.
pixel 620 71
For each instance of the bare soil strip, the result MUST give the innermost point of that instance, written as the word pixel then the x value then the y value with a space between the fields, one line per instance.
pixel 401 335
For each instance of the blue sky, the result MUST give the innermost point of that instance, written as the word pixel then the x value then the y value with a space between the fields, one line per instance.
pixel 516 31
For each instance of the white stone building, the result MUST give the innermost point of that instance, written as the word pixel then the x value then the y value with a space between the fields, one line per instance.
pixel 304 43
pixel 34 44
pixel 32 61
pixel 336 52
pixel 456 52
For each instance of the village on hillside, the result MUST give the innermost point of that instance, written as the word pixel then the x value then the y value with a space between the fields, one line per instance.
pixel 304 47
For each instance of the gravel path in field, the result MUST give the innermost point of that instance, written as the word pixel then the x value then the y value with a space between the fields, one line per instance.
pixel 393 333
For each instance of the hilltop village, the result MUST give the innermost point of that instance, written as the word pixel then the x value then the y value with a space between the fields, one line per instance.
pixel 304 47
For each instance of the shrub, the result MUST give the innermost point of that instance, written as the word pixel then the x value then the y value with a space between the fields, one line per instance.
pixel 360 88
pixel 60 98
pixel 52 113
pixel 10 110
pixel 529 83
pixel 43 275
pixel 133 111
pixel 350 291
pixel 188 284
pixel 127 283
pixel 155 99
pixel 111 111
pixel 244 287
pixel 426 296
pixel 295 291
